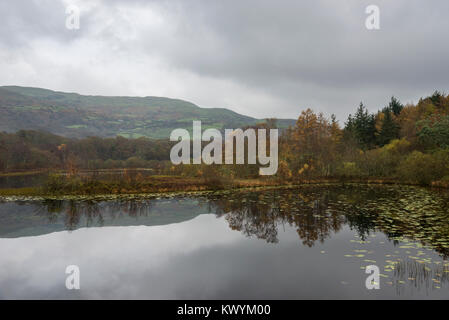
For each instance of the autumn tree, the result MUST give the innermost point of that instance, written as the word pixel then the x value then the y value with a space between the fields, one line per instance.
pixel 311 143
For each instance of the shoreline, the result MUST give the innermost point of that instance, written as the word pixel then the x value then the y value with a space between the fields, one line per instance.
pixel 37 193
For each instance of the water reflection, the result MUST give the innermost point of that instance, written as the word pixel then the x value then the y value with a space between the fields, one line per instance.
pixel 322 233
pixel 92 211
pixel 30 218
pixel 419 275
pixel 315 212
pixel 262 214
pixel 319 212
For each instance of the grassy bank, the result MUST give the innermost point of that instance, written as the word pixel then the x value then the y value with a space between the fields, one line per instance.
pixel 62 185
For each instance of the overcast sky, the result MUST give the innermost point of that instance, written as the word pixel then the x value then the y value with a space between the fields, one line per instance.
pixel 262 58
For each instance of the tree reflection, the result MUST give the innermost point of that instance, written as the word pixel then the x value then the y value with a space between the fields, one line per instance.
pixel 88 213
pixel 261 214
pixel 318 212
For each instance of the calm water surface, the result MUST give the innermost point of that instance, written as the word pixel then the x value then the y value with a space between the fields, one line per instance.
pixel 310 242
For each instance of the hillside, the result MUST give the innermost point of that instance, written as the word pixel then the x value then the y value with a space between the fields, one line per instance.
pixel 75 115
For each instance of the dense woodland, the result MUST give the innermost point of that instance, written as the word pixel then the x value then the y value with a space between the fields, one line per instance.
pixel 27 150
pixel 399 143
pixel 405 143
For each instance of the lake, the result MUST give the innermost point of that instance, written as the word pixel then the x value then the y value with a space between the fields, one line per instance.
pixel 311 242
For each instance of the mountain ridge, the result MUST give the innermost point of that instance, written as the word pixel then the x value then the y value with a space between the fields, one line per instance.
pixel 74 115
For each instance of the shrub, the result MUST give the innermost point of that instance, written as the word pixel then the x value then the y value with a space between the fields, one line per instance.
pixel 420 168
pixel 135 162
pixel 214 178
pixel 283 173
pixel 348 170
pixel 58 184
pixel 383 162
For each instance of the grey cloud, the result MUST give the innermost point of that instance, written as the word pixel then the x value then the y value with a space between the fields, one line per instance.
pixel 318 43
pixel 23 21
pixel 298 53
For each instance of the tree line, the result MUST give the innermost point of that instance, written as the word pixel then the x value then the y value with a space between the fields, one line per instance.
pixel 406 143
pixel 28 149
